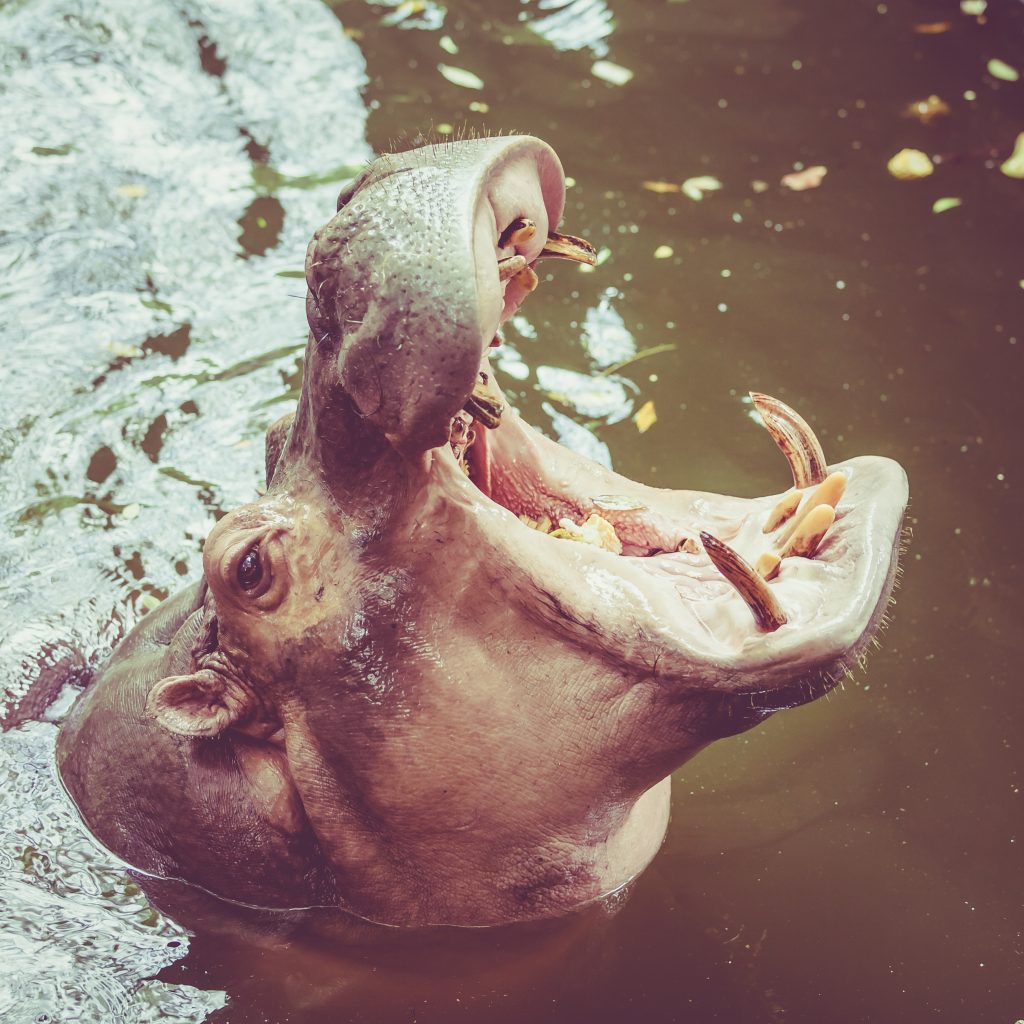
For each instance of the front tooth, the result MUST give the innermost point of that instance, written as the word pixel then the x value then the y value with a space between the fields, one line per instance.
pixel 796 440
pixel 528 279
pixel 484 406
pixel 810 532
pixel 510 267
pixel 569 247
pixel 828 492
pixel 520 231
pixel 751 587
pixel 768 565
pixel 783 510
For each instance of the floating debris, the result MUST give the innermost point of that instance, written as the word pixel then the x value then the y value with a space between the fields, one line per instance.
pixel 132 191
pixel 461 77
pixel 1000 69
pixel 927 110
pixel 932 28
pixel 661 187
pixel 809 177
pixel 975 8
pixel 613 74
pixel 694 188
pixel 1013 165
pixel 910 165
pixel 664 252
pixel 645 417
pixel 946 203
pixel 759 186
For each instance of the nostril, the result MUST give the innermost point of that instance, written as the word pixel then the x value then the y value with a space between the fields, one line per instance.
pixel 519 232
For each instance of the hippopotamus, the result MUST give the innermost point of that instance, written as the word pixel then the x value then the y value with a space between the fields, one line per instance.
pixel 440 672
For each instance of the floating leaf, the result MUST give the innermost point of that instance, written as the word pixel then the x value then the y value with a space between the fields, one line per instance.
pixel 614 74
pixel 664 252
pixel 132 191
pixel 975 8
pixel 448 45
pixel 645 417
pixel 910 164
pixel 694 188
pixel 120 349
pixel 618 503
pixel 479 108
pixel 1013 166
pixel 408 9
pixel 661 186
pixel 53 150
pixel 759 186
pixel 461 77
pixel 926 110
pixel 809 177
pixel 946 203
pixel 932 28
pixel 1000 69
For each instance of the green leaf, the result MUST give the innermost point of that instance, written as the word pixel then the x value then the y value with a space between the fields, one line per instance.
pixel 1000 69
pixel 613 74
pixel 461 77
pixel 946 203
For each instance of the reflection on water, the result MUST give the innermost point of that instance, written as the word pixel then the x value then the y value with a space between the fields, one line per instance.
pixel 857 859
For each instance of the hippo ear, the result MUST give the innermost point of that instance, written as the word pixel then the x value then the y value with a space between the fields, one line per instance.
pixel 200 704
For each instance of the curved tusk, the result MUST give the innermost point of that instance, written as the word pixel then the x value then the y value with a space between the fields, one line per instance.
pixel 569 247
pixel 795 439
pixel 751 587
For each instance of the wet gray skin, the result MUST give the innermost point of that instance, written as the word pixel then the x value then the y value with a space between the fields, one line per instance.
pixel 389 693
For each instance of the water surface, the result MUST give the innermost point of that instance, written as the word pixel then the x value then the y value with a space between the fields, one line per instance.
pixel 858 859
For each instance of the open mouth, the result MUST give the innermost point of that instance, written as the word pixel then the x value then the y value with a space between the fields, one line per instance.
pixel 804 575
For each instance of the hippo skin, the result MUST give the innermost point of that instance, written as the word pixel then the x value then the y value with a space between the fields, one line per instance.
pixel 390 693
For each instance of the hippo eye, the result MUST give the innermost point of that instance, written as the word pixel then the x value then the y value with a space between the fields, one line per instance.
pixel 250 572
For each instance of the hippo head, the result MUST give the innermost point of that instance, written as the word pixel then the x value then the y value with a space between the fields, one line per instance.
pixel 470 657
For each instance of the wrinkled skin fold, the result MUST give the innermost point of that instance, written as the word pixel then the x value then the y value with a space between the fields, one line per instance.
pixel 394 692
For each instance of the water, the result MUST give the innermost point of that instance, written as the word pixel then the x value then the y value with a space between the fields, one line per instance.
pixel 857 859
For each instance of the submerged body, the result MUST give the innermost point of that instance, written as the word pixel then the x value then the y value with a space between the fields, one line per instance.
pixel 392 692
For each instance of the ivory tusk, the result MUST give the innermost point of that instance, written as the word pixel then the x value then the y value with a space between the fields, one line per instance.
pixel 527 277
pixel 795 439
pixel 786 506
pixel 510 267
pixel 810 532
pixel 768 565
pixel 519 232
pixel 751 587
pixel 568 247
pixel 828 492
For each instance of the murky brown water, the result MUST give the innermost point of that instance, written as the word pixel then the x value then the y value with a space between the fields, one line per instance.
pixel 855 860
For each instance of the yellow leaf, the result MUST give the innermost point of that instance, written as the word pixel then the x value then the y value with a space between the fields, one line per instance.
pixel 926 110
pixel 645 417
pixel 932 28
pixel 661 186
pixel 910 164
pixel 663 252
pixel 1013 165
pixel 809 177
